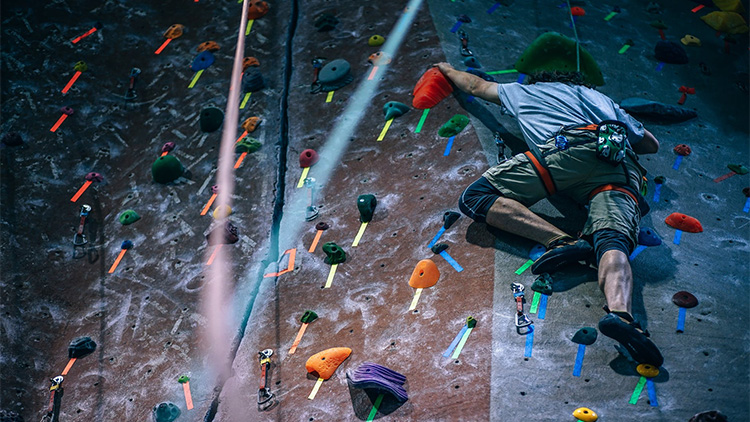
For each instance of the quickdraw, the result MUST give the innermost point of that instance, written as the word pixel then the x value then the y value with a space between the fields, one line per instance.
pixel 265 396
pixel 317 65
pixel 131 95
pixel 524 325
pixel 79 239
pixel 464 44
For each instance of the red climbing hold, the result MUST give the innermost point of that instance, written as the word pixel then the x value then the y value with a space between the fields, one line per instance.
pixel 307 158
pixel 685 299
pixel 577 11
pixel 682 149
pixel 684 222
pixel 431 88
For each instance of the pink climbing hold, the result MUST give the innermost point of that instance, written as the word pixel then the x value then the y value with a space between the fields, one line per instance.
pixel 94 177
pixel 684 222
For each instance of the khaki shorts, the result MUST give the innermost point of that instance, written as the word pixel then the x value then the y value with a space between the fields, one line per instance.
pixel 576 172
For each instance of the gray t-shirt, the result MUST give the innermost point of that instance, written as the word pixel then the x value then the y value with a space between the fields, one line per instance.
pixel 542 108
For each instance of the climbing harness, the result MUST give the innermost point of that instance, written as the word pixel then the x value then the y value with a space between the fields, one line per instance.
pixel 79 239
pixel 311 213
pixel 131 95
pixel 523 323
pixel 464 44
pixel 317 65
pixel 265 396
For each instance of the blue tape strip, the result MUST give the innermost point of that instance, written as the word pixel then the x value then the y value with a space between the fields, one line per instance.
pixel 529 344
pixel 521 77
pixel 651 393
pixel 579 360
pixel 437 236
pixel 542 306
pixel 448 146
pixel 681 320
pixel 455 341
pixel 451 261
pixel 677 237
pixel 677 162
pixel 638 249
pixel 456 26
pixel 747 206
pixel 660 66
pixel 493 8
pixel 657 192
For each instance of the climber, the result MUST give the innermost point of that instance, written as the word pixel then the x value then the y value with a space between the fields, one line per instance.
pixel 581 144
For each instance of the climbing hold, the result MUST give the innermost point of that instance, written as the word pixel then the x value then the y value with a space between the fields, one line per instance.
pixel 166 169
pixel 684 222
pixel 251 123
pixel 450 218
pixel 482 75
pixel 129 217
pixel 537 251
pixel 248 145
pixel 256 9
pixel 366 205
pixel 471 322
pixel 67 110
pixel 585 415
pixel 371 376
pixel 472 62
pixel 222 211
pixel 379 59
pixel 81 347
pixel 211 46
pixel 685 299
pixel 647 237
pixel 709 416
pixel 166 412
pixel 169 146
pixel 425 274
pixel 223 235
pixel 81 67
pixel 727 22
pixel 202 61
pixel 464 19
pixel 657 111
pixel 322 226
pixel 454 126
pixel 430 89
pixel 648 371
pixel 746 191
pixel 12 139
pixel 335 75
pixel 439 247
pixel 690 40
pixel 738 168
pixel 543 284
pixel 658 24
pixel 586 336
pixel 252 80
pixel 249 62
pixel 577 11
pixel 653 7
pixel 682 149
pixel 670 52
pixel 309 317
pixel 211 119
pixel 326 22
pixel 375 40
pixel 659 180
pixel 334 253
pixel 730 6
pixel 183 379
pixel 393 109
pixel 308 158
pixel 94 177
pixel 215 189
pixel 174 31
pixel 554 52
pixel 324 364
pixel 126 244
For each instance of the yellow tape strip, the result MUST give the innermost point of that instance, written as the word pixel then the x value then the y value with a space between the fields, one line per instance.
pixel 195 78
pixel 330 96
pixel 359 234
pixel 249 26
pixel 385 129
pixel 414 301
pixel 315 389
pixel 244 101
pixel 330 275
pixel 302 177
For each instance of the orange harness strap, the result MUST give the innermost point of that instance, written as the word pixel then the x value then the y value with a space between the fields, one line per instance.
pixel 603 188
pixel 543 174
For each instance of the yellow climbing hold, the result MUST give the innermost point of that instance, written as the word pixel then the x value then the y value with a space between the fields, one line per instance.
pixel 730 6
pixel 648 371
pixel 727 22
pixel 585 414
pixel 375 41
pixel 222 211
pixel 691 40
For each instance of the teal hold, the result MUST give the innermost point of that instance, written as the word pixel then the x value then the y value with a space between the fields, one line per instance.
pixel 585 336
pixel 393 109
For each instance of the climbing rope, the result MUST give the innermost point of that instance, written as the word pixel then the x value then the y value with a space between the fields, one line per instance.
pixel 575 33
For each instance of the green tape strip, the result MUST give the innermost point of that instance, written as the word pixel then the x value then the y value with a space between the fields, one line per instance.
pixel 461 344
pixel 375 406
pixel 624 49
pixel 524 267
pixel 638 390
pixel 502 72
pixel 535 303
pixel 610 16
pixel 421 120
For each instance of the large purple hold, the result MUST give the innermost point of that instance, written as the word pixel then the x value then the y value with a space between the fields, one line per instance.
pixel 378 377
pixel 94 177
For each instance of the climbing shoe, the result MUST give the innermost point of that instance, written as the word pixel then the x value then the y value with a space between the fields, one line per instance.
pixel 560 253
pixel 632 337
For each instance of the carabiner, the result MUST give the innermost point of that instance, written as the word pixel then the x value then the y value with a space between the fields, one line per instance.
pixel 524 325
pixel 79 239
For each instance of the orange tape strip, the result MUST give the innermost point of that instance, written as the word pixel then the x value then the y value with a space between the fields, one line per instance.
pixel 68 366
pixel 71 82
pixel 117 261
pixel 239 160
pixel 81 191
pixel 292 254
pixel 315 241
pixel 188 397
pixel 372 73
pixel 213 255
pixel 160 49
pixel 59 122
pixel 164 153
pixel 241 136
pixel 79 38
pixel 208 204
pixel 298 338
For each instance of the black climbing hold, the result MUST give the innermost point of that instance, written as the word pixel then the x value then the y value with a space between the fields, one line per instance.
pixel 543 284
pixel 223 235
pixel 366 205
pixel 252 80
pixel 660 180
pixel 94 177
pixel 335 75
pixel 211 119
pixel 126 244
pixel 449 218
pixel 471 322
pixel 167 147
pixel 309 317
pixel 670 52
pixel 746 191
pixel 709 416
pixel 247 144
pixel 322 226
pixel 464 19
pixel 166 412
pixel 439 248
pixel 657 111
pixel 202 61
pixel 326 22
pixel 482 75
pixel 472 62
pixel 81 347
pixel 334 253
pixel 585 336
pixel 685 299
pixel 129 217
pixel 12 139
pixel 166 169
pixel 393 109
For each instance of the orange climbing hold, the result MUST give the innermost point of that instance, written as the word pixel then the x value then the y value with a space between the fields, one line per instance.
pixel 425 274
pixel 257 9
pixel 431 88
pixel 324 364
pixel 249 62
pixel 684 222
pixel 211 46
pixel 251 123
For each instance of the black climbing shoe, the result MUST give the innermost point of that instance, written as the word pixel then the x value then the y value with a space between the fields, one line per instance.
pixel 560 254
pixel 632 337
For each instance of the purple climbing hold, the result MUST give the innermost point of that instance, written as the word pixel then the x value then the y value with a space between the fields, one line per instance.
pixel 94 177
pixel 215 189
pixel 378 377
pixel 169 146
pixel 67 110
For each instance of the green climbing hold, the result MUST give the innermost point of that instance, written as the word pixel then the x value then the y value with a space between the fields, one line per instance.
pixel 129 217
pixel 166 169
pixel 183 379
pixel 211 119
pixel 585 336
pixel 738 168
pixel 471 322
pixel 554 52
pixel 542 284
pixel 309 317
pixel 454 126
pixel 81 67
pixel 375 41
pixel 366 205
pixel 660 180
pixel 393 109
pixel 247 144
pixel 334 253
